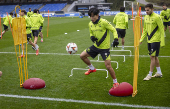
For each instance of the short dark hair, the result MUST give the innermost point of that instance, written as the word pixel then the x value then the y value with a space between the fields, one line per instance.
pixel 38 11
pixel 164 5
pixel 35 10
pixel 15 15
pixel 11 13
pixel 149 6
pixel 29 8
pixel 95 11
pixel 122 9
pixel 24 11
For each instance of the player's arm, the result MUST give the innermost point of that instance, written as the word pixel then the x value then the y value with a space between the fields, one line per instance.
pixel 126 21
pixel 114 20
pixel 111 28
pixel 28 22
pixel 4 18
pixel 161 29
pixel 27 14
pixel 92 37
pixel 162 16
pixel 144 34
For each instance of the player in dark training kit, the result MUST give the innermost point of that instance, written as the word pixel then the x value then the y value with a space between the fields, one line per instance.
pixel 99 33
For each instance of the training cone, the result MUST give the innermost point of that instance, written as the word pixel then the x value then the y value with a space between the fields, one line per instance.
pixel 34 83
pixel 124 89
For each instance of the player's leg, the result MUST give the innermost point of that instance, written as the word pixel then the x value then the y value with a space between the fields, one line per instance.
pixel 165 25
pixel 22 49
pixel 123 32
pixel 84 56
pixel 105 53
pixel 156 48
pixel 148 77
pixel 89 52
pixel 35 34
pixel 34 46
pixel 169 25
pixel 41 35
pixel 5 30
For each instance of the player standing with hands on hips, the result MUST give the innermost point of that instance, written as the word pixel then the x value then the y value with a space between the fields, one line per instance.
pixel 154 30
pixel 99 33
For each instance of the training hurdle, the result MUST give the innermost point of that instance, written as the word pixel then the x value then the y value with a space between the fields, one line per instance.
pixel 110 55
pixel 125 47
pixel 103 62
pixel 87 69
pixel 123 50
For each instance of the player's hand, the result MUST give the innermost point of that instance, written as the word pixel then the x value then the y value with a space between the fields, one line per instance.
pixel 165 17
pixel 93 38
pixel 115 42
pixel 140 42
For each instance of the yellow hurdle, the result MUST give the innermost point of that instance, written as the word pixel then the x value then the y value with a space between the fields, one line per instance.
pixel 136 49
pixel 20 37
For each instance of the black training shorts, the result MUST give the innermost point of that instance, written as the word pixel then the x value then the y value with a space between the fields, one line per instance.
pixel 5 27
pixel 121 32
pixel 167 24
pixel 93 52
pixel 29 37
pixel 35 33
pixel 153 48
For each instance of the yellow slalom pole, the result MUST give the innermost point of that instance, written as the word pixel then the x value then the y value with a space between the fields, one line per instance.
pixel 136 49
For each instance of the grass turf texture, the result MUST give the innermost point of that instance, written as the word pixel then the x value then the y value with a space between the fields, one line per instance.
pixel 55 69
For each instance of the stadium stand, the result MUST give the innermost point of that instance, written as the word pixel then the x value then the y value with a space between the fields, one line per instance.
pixel 53 7
pixel 6 8
pixel 32 6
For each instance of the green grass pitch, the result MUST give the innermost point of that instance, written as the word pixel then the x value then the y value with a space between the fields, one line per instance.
pixel 55 69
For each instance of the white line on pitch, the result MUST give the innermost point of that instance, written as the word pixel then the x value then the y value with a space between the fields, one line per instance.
pixel 75 54
pixel 83 101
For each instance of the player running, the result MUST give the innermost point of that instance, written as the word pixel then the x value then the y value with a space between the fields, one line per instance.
pixel 35 25
pixel 41 25
pixel 28 31
pixel 99 34
pixel 121 22
pixel 6 23
pixel 29 13
pixel 165 14
pixel 153 29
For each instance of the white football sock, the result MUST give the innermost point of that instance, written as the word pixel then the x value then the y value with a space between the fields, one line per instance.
pixel 150 73
pixel 91 67
pixel 41 38
pixel 159 70
pixel 122 46
pixel 36 46
pixel 114 80
pixel 164 34
pixel 22 52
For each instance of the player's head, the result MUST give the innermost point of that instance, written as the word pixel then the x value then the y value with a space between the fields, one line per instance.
pixel 149 9
pixel 122 9
pixel 35 10
pixel 38 12
pixel 164 7
pixel 11 13
pixel 23 12
pixel 94 14
pixel 29 9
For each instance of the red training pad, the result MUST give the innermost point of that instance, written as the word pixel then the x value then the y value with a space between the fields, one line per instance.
pixel 124 89
pixel 34 83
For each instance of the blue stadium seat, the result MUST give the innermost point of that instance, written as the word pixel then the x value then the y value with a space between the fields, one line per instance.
pixel 53 7
pixel 6 8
